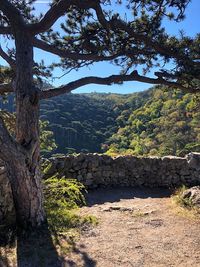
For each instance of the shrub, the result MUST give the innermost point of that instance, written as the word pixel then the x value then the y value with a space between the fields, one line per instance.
pixel 62 197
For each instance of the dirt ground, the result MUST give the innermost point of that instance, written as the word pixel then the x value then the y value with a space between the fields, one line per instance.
pixel 137 228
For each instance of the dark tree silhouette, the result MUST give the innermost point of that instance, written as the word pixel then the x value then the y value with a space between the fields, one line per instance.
pixel 90 32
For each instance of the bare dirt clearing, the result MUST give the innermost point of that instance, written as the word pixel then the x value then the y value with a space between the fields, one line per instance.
pixel 137 228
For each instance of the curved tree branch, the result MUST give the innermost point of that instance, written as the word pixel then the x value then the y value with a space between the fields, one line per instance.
pixel 52 15
pixel 7 58
pixel 65 54
pixel 89 57
pixel 57 10
pixel 113 79
pixel 116 23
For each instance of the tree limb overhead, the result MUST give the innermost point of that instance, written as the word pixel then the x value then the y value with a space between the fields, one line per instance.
pixel 12 13
pixel 51 16
pixel 113 79
pixel 116 23
pixel 70 55
pixel 81 56
pixel 7 58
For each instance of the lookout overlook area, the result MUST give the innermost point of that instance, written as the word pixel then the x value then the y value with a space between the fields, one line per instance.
pixel 136 227
pixel 136 219
pixel 99 133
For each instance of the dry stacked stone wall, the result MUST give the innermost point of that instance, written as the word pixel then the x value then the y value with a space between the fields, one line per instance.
pixel 94 170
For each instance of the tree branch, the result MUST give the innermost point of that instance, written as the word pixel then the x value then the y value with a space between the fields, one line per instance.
pixel 113 79
pixel 65 54
pixel 163 50
pixel 12 13
pixel 116 23
pixel 52 15
pixel 89 57
pixel 7 58
pixel 100 16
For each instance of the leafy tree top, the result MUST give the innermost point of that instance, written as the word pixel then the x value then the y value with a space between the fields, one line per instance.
pixel 90 32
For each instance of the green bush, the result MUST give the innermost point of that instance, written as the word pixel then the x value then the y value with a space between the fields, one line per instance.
pixel 62 197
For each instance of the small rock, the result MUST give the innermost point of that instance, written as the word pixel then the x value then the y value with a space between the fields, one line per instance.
pixel 149 212
pixel 193 195
pixel 193 160
pixel 138 247
pixel 118 208
pixel 155 223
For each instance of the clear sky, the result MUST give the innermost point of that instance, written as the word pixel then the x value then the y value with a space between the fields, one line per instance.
pixel 191 26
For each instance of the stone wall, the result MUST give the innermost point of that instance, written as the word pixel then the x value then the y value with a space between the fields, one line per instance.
pixel 95 170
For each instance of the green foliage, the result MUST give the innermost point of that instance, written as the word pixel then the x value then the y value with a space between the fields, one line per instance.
pixel 62 198
pixel 167 122
pixel 6 74
pixel 82 122
pixel 47 141
pixel 63 193
pixel 9 120
pixel 156 122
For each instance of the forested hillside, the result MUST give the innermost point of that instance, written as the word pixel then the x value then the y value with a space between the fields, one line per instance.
pixel 167 123
pixel 154 122
pixel 82 123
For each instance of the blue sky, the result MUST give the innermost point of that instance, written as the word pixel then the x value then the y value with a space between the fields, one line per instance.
pixel 190 25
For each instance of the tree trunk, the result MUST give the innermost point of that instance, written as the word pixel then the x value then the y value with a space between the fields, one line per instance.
pixel 23 170
pixel 27 193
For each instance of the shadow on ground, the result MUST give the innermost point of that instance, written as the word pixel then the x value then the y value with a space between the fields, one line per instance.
pixel 7 246
pixel 115 194
pixel 35 249
pixel 85 259
pixel 27 249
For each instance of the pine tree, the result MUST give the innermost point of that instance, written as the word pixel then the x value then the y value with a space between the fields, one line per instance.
pixel 90 32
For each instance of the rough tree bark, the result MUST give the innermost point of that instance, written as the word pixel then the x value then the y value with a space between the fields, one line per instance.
pixel 24 170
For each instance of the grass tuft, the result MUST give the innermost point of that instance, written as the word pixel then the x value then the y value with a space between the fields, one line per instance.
pixel 180 200
pixel 184 206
